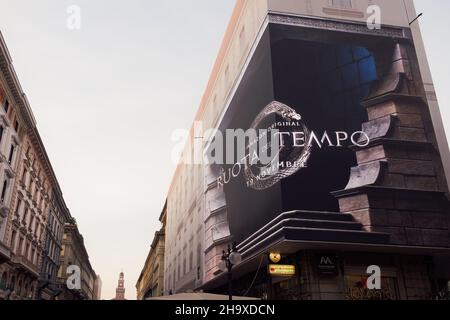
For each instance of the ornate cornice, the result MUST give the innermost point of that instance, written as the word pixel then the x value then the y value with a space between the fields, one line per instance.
pixel 13 83
pixel 340 26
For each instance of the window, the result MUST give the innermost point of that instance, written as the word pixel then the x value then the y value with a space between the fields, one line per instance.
pixel 31 220
pixel 179 266
pixel 242 34
pixel 191 260
pixel 344 4
pixel 11 154
pixel 27 251
pixel 19 203
pixel 4 189
pixel 13 241
pixel 199 261
pixel 24 176
pixel 6 106
pixel 19 250
pixel 2 130
pixel 16 126
pixel 25 214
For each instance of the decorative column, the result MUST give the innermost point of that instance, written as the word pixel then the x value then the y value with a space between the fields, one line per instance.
pixel 395 186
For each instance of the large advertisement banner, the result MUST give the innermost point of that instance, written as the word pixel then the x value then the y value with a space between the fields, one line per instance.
pixel 301 100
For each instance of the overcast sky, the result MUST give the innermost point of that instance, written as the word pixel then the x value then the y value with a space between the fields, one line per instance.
pixel 107 98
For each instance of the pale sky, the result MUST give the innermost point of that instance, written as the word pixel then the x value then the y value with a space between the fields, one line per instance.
pixel 107 98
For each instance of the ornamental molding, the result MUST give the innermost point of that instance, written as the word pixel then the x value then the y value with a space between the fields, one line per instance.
pixel 340 26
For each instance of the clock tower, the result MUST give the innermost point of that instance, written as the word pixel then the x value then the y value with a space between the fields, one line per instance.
pixel 120 291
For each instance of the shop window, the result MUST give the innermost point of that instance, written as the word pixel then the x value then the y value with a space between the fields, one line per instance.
pixel 12 284
pixel 3 281
pixel 19 288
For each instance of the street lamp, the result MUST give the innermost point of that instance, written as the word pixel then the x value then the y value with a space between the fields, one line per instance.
pixel 230 258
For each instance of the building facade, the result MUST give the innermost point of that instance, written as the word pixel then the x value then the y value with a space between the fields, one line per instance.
pixel 98 288
pixel 26 191
pixel 58 216
pixel 331 209
pixel 74 254
pixel 18 269
pixel 32 209
pixel 151 281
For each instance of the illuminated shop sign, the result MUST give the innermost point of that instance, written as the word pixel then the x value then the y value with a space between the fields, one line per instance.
pixel 282 270
pixel 277 146
pixel 275 257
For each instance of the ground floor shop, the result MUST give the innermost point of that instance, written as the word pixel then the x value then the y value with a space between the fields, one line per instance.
pixel 17 282
pixel 328 275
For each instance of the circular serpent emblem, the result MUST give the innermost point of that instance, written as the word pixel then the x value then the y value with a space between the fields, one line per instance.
pixel 286 125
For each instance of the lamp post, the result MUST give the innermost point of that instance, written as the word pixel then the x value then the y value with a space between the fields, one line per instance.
pixel 230 258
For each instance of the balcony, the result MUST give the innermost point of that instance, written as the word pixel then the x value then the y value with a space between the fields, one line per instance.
pixel 21 262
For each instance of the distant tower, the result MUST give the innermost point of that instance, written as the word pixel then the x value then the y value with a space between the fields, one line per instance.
pixel 120 291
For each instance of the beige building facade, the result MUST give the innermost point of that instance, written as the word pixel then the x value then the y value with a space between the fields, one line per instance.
pixel 151 281
pixel 74 253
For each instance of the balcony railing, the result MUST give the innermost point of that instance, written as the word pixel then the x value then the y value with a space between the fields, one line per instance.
pixel 26 264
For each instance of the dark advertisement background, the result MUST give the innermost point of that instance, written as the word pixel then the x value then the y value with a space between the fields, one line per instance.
pixel 325 84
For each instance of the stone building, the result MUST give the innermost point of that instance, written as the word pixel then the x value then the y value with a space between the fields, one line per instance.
pixel 27 187
pixel 151 280
pixel 74 254
pixel 58 216
pixel 32 208
pixel 98 288
pixel 15 119
pixel 377 200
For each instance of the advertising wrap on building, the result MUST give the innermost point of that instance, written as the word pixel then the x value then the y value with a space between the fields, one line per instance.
pixel 311 94
pixel 326 153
